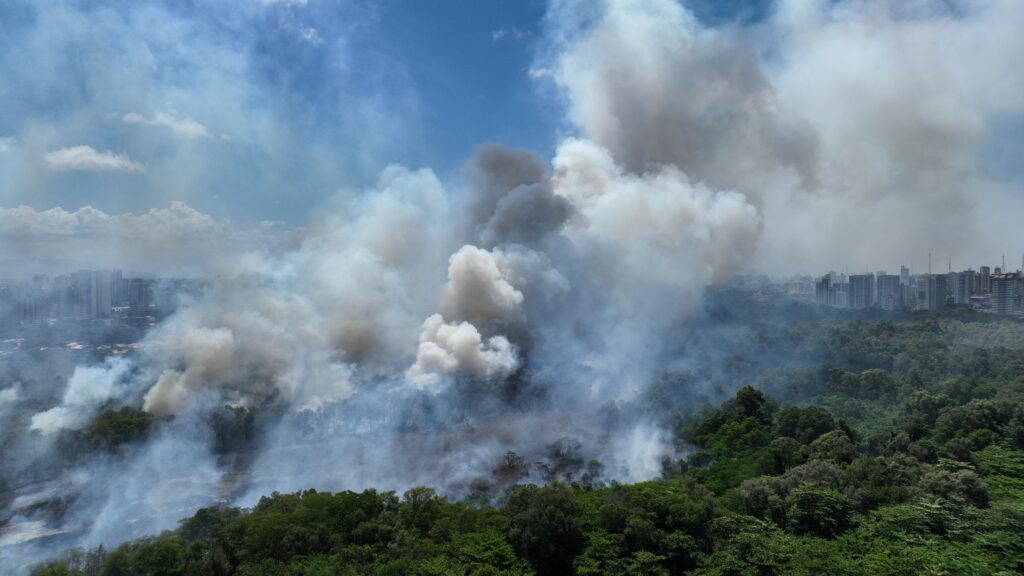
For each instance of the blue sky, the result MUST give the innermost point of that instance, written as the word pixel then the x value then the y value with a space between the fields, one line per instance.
pixel 289 101
pixel 263 110
pixel 294 100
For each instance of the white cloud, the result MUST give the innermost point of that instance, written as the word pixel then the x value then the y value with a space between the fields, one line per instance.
pixel 87 158
pixel 538 73
pixel 309 34
pixel 178 124
pixel 507 33
pixel 177 238
pixel 7 144
pixel 285 2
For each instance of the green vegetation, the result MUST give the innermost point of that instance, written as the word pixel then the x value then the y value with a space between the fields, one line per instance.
pixel 898 450
pixel 112 430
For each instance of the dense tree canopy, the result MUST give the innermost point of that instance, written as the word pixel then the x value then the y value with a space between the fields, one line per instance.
pixel 892 447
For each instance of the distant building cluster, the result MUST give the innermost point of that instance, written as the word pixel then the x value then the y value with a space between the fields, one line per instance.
pixel 985 289
pixel 86 295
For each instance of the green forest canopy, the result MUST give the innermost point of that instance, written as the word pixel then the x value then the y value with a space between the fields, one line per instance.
pixel 901 451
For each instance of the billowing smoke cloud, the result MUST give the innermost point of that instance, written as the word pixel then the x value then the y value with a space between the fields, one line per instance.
pixel 485 290
pixel 244 352
pixel 512 200
pixel 838 116
pixel 490 286
pixel 88 388
pixel 652 85
pixel 478 288
pixel 448 348
pixel 293 327
pixel 663 229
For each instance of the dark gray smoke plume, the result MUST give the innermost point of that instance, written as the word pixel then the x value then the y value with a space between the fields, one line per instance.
pixel 512 200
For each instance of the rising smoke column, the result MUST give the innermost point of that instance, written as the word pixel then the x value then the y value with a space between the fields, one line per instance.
pixel 485 291
pixel 826 115
pixel 300 327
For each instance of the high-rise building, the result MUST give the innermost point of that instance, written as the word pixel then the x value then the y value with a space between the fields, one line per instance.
pixel 823 291
pixel 937 291
pixel 102 293
pixel 862 291
pixel 965 286
pixel 904 275
pixel 984 280
pixel 952 284
pixel 888 293
pixel 95 292
pixel 82 283
pixel 117 294
pixel 1006 293
pixel 140 296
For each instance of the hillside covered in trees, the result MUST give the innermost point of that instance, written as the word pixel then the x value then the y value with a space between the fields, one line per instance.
pixel 852 446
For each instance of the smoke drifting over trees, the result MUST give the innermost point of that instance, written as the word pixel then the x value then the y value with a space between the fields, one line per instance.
pixel 413 334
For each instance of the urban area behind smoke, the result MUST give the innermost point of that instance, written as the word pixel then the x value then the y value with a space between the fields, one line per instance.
pixel 522 325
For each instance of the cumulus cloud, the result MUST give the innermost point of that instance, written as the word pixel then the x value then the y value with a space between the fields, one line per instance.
pixel 169 238
pixel 298 118
pixel 178 124
pixel 85 158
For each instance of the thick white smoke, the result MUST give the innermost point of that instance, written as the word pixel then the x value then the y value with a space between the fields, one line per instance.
pixel 294 327
pixel 843 117
pixel 651 84
pixel 450 348
pixel 87 389
pixel 485 291
pixel 666 230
